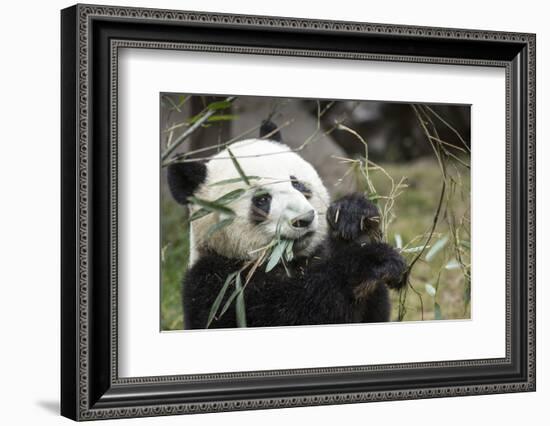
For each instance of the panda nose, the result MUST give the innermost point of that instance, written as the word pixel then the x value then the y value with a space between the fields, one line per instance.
pixel 304 220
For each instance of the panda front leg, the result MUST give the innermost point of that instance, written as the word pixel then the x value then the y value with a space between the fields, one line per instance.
pixel 371 265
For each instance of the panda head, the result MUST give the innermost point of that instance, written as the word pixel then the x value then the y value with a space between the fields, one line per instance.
pixel 285 198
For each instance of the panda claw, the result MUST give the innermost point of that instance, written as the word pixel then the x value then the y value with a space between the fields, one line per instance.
pixel 350 218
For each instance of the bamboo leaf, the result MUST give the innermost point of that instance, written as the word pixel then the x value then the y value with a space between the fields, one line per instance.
pixel 289 254
pixel 221 117
pixel 276 255
pixel 453 264
pixel 163 253
pixel 200 120
pixel 398 241
pixel 208 207
pixel 213 206
pixel 218 105
pixel 260 192
pixel 230 299
pixel 412 249
pixel 467 293
pixel 219 298
pixel 198 214
pixel 230 196
pixel 436 248
pixel 373 196
pixel 218 205
pixel 210 119
pixel 437 312
pixel 233 180
pixel 430 289
pixel 238 167
pixel 219 225
pixel 238 294
pixel 195 118
pixel 239 303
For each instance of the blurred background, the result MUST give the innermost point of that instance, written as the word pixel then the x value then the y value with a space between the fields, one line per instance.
pixel 417 163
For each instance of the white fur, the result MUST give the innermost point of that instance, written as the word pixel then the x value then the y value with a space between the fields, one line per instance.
pixel 274 163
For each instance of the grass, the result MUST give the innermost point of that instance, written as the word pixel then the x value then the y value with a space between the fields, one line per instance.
pixel 414 210
pixel 174 258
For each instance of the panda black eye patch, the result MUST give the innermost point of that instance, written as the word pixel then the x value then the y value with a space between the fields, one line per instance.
pixel 261 204
pixel 300 186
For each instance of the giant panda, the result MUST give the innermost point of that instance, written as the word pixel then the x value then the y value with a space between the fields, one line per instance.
pixel 340 271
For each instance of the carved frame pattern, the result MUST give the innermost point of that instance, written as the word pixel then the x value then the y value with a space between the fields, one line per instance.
pixel 85 408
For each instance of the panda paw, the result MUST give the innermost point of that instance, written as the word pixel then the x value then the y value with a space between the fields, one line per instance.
pixel 354 218
pixel 373 264
pixel 388 266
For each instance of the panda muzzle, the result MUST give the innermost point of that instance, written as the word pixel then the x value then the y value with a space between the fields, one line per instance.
pixel 304 220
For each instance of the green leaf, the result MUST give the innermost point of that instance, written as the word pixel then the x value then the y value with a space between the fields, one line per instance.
pixel 163 253
pixel 467 293
pixel 412 249
pixel 276 255
pixel 218 205
pixel 465 243
pixel 219 298
pixel 208 207
pixel 195 118
pixel 238 167
pixel 436 248
pixel 237 294
pixel 398 241
pixel 198 214
pixel 233 180
pixel 373 196
pixel 239 303
pixel 232 297
pixel 437 312
pixel 171 102
pixel 212 206
pixel 430 289
pixel 216 106
pixel 453 264
pixel 219 225
pixel 260 192
pixel 289 254
pixel 221 117
pixel 230 196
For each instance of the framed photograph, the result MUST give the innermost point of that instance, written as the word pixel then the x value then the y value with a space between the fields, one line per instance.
pixel 263 212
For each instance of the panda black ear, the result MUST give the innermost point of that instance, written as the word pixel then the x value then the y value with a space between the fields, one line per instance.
pixel 184 179
pixel 270 130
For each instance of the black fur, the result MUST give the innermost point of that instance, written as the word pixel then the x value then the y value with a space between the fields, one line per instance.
pixel 300 186
pixel 353 217
pixel 269 128
pixel 260 206
pixel 184 179
pixel 345 281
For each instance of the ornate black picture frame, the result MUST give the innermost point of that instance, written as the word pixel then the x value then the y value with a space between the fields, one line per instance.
pixel 91 36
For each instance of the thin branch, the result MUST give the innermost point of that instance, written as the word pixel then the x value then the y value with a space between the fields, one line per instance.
pixel 450 154
pixel 191 130
pixel 311 138
pixel 447 143
pixel 441 195
pixel 184 157
pixel 432 229
pixel 449 126
pixel 174 106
